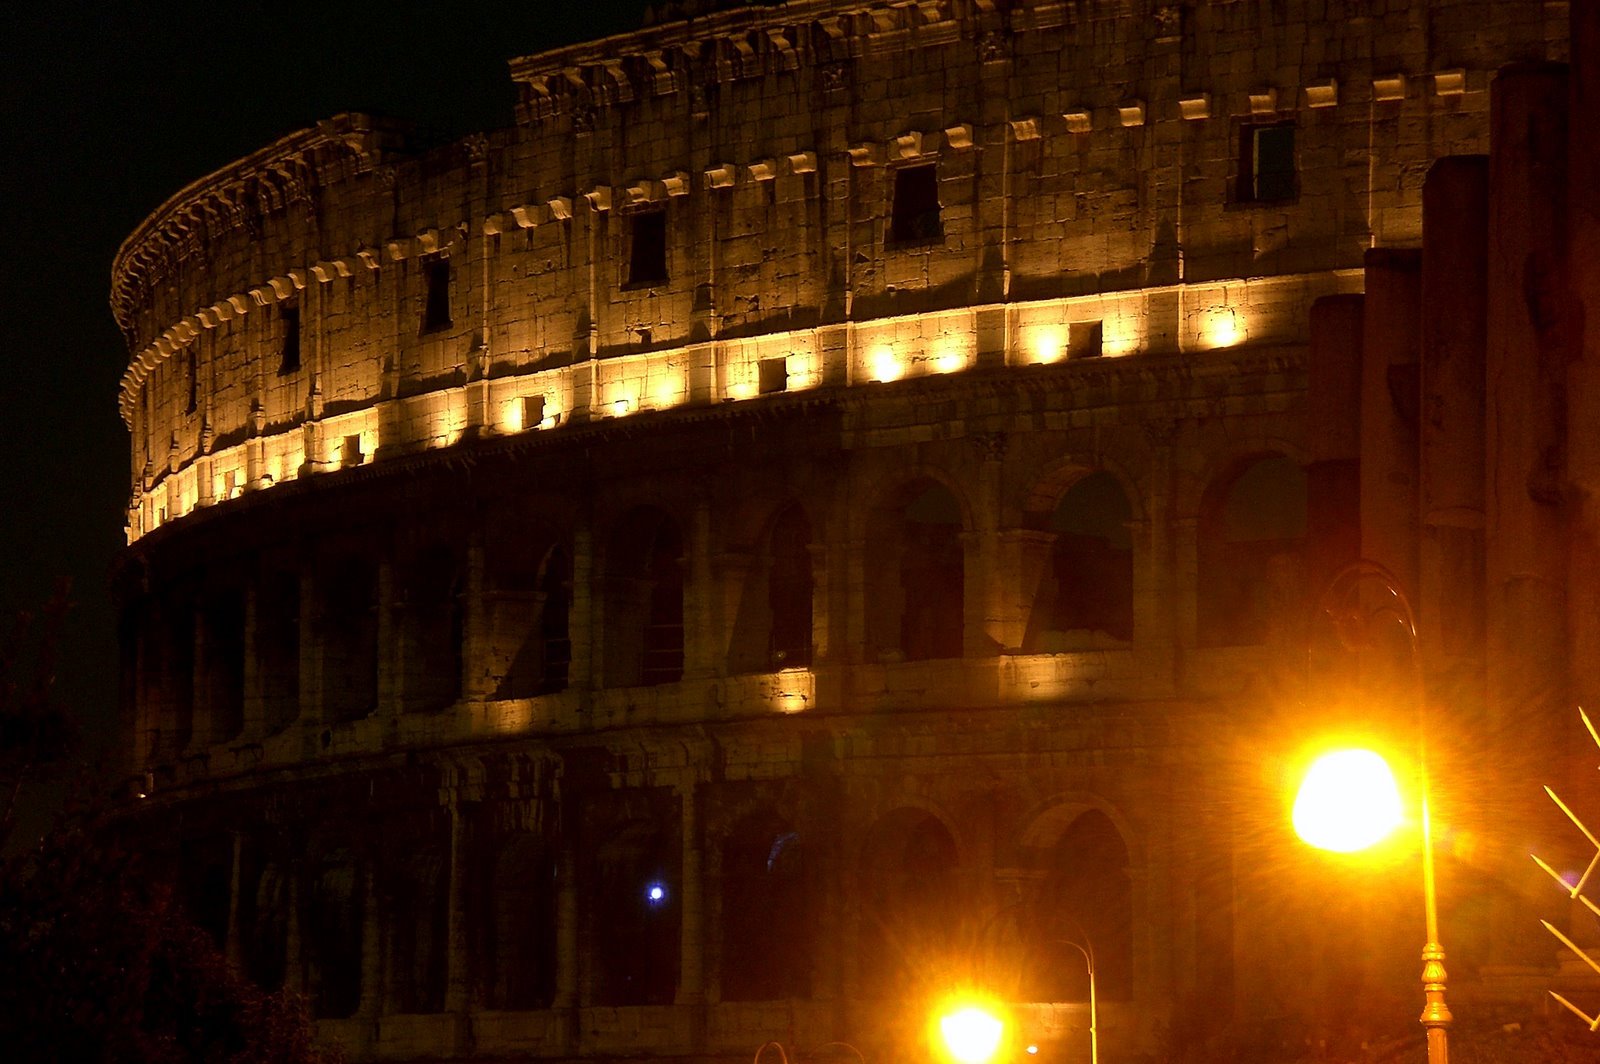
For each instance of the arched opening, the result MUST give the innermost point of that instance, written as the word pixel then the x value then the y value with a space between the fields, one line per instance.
pixel 432 626
pixel 263 923
pixel 910 902
pixel 916 574
pixel 1087 591
pixel 415 911
pixel 766 915
pixel 332 939
pixel 1085 897
pixel 527 603
pixel 349 633
pixel 789 590
pixel 1250 550
pixel 644 601
pixel 521 946
pixel 222 661
pixel 277 640
pixel 635 917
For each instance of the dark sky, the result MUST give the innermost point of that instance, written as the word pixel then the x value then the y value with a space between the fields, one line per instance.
pixel 107 109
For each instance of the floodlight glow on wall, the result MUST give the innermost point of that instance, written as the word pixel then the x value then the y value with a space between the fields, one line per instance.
pixel 885 364
pixel 1045 344
pixel 1221 327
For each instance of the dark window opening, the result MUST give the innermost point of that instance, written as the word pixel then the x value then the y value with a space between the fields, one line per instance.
pixel 789 590
pixel 1087 898
pixel 436 309
pixel 433 624
pixel 644 601
pixel 289 360
pixel 931 577
pixel 912 902
pixel 637 917
pixel 206 880
pixel 222 651
pixel 554 614
pixel 522 947
pixel 647 253
pixel 1251 554
pixel 1083 339
pixel 191 370
pixel 278 648
pixel 332 939
pixel 1266 164
pixel 416 905
pixel 349 641
pixel 1089 585
pixel 915 214
pixel 772 375
pixel 766 919
pixel 263 922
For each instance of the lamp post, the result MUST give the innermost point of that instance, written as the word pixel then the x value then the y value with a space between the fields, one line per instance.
pixel 1087 949
pixel 1354 619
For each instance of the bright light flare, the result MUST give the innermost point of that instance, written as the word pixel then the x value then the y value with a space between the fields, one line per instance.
pixel 1221 327
pixel 971 1033
pixel 884 364
pixel 1348 801
pixel 1047 344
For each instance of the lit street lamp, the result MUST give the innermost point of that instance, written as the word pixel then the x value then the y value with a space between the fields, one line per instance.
pixel 1349 800
pixel 1087 949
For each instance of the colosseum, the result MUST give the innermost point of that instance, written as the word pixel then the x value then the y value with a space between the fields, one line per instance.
pixel 828 508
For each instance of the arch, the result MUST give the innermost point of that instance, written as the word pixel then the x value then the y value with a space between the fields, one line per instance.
pixel 774 590
pixel 636 920
pixel 431 595
pixel 1250 551
pixel 916 572
pixel 1045 493
pixel 529 608
pixel 1084 895
pixel 347 591
pixel 332 940
pixel 521 944
pixel 644 588
pixel 910 899
pixel 766 917
pixel 1086 590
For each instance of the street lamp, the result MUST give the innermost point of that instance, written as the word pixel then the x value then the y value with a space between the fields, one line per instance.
pixel 1087 949
pixel 1350 799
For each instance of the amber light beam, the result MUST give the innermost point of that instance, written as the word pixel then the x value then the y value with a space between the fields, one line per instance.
pixel 1349 800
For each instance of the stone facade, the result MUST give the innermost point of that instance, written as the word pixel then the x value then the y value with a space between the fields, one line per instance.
pixel 826 507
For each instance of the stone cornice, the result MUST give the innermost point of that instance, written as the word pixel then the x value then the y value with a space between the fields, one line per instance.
pixel 278 174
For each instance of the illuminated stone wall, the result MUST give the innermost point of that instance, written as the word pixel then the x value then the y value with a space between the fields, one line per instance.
pixel 503 611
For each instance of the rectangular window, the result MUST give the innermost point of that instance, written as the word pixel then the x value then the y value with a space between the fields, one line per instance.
pixel 436 311
pixel 350 450
pixel 647 251
pixel 532 411
pixel 289 362
pixel 773 375
pixel 1266 164
pixel 1083 339
pixel 914 217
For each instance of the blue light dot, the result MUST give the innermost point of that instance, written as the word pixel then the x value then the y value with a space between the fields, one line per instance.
pixel 655 892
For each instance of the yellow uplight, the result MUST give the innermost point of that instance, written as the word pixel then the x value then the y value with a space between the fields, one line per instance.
pixel 1047 344
pixel 884 364
pixel 1221 327
pixel 1348 801
pixel 971 1033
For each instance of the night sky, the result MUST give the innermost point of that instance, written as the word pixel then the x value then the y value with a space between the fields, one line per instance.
pixel 109 108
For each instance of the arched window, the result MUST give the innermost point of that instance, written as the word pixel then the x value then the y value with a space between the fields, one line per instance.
pixel 789 590
pixel 527 603
pixel 521 945
pixel 910 903
pixel 349 634
pixel 332 939
pixel 644 601
pixel 1089 586
pixel 263 920
pixel 433 624
pixel 915 573
pixel 1086 897
pixel 415 917
pixel 222 662
pixel 766 917
pixel 277 640
pixel 1251 545
pixel 635 916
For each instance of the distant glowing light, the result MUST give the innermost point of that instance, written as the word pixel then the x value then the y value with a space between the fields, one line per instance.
pixel 971 1034
pixel 620 407
pixel 655 893
pixel 884 364
pixel 1348 802
pixel 1221 327
pixel 1046 344
pixel 1033 1051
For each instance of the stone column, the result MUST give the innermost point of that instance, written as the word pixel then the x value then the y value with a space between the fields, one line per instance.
pixel 391 658
pixel 294 971
pixel 310 696
pixel 234 947
pixel 254 724
pixel 988 599
pixel 822 600
pixel 1022 559
pixel 458 975
pixel 373 995
pixel 1391 329
pixel 691 971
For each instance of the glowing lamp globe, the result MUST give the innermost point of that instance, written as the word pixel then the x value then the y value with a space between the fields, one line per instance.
pixel 971 1034
pixel 1348 802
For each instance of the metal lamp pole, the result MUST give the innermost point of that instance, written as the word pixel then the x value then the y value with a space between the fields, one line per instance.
pixel 1087 949
pixel 1342 602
